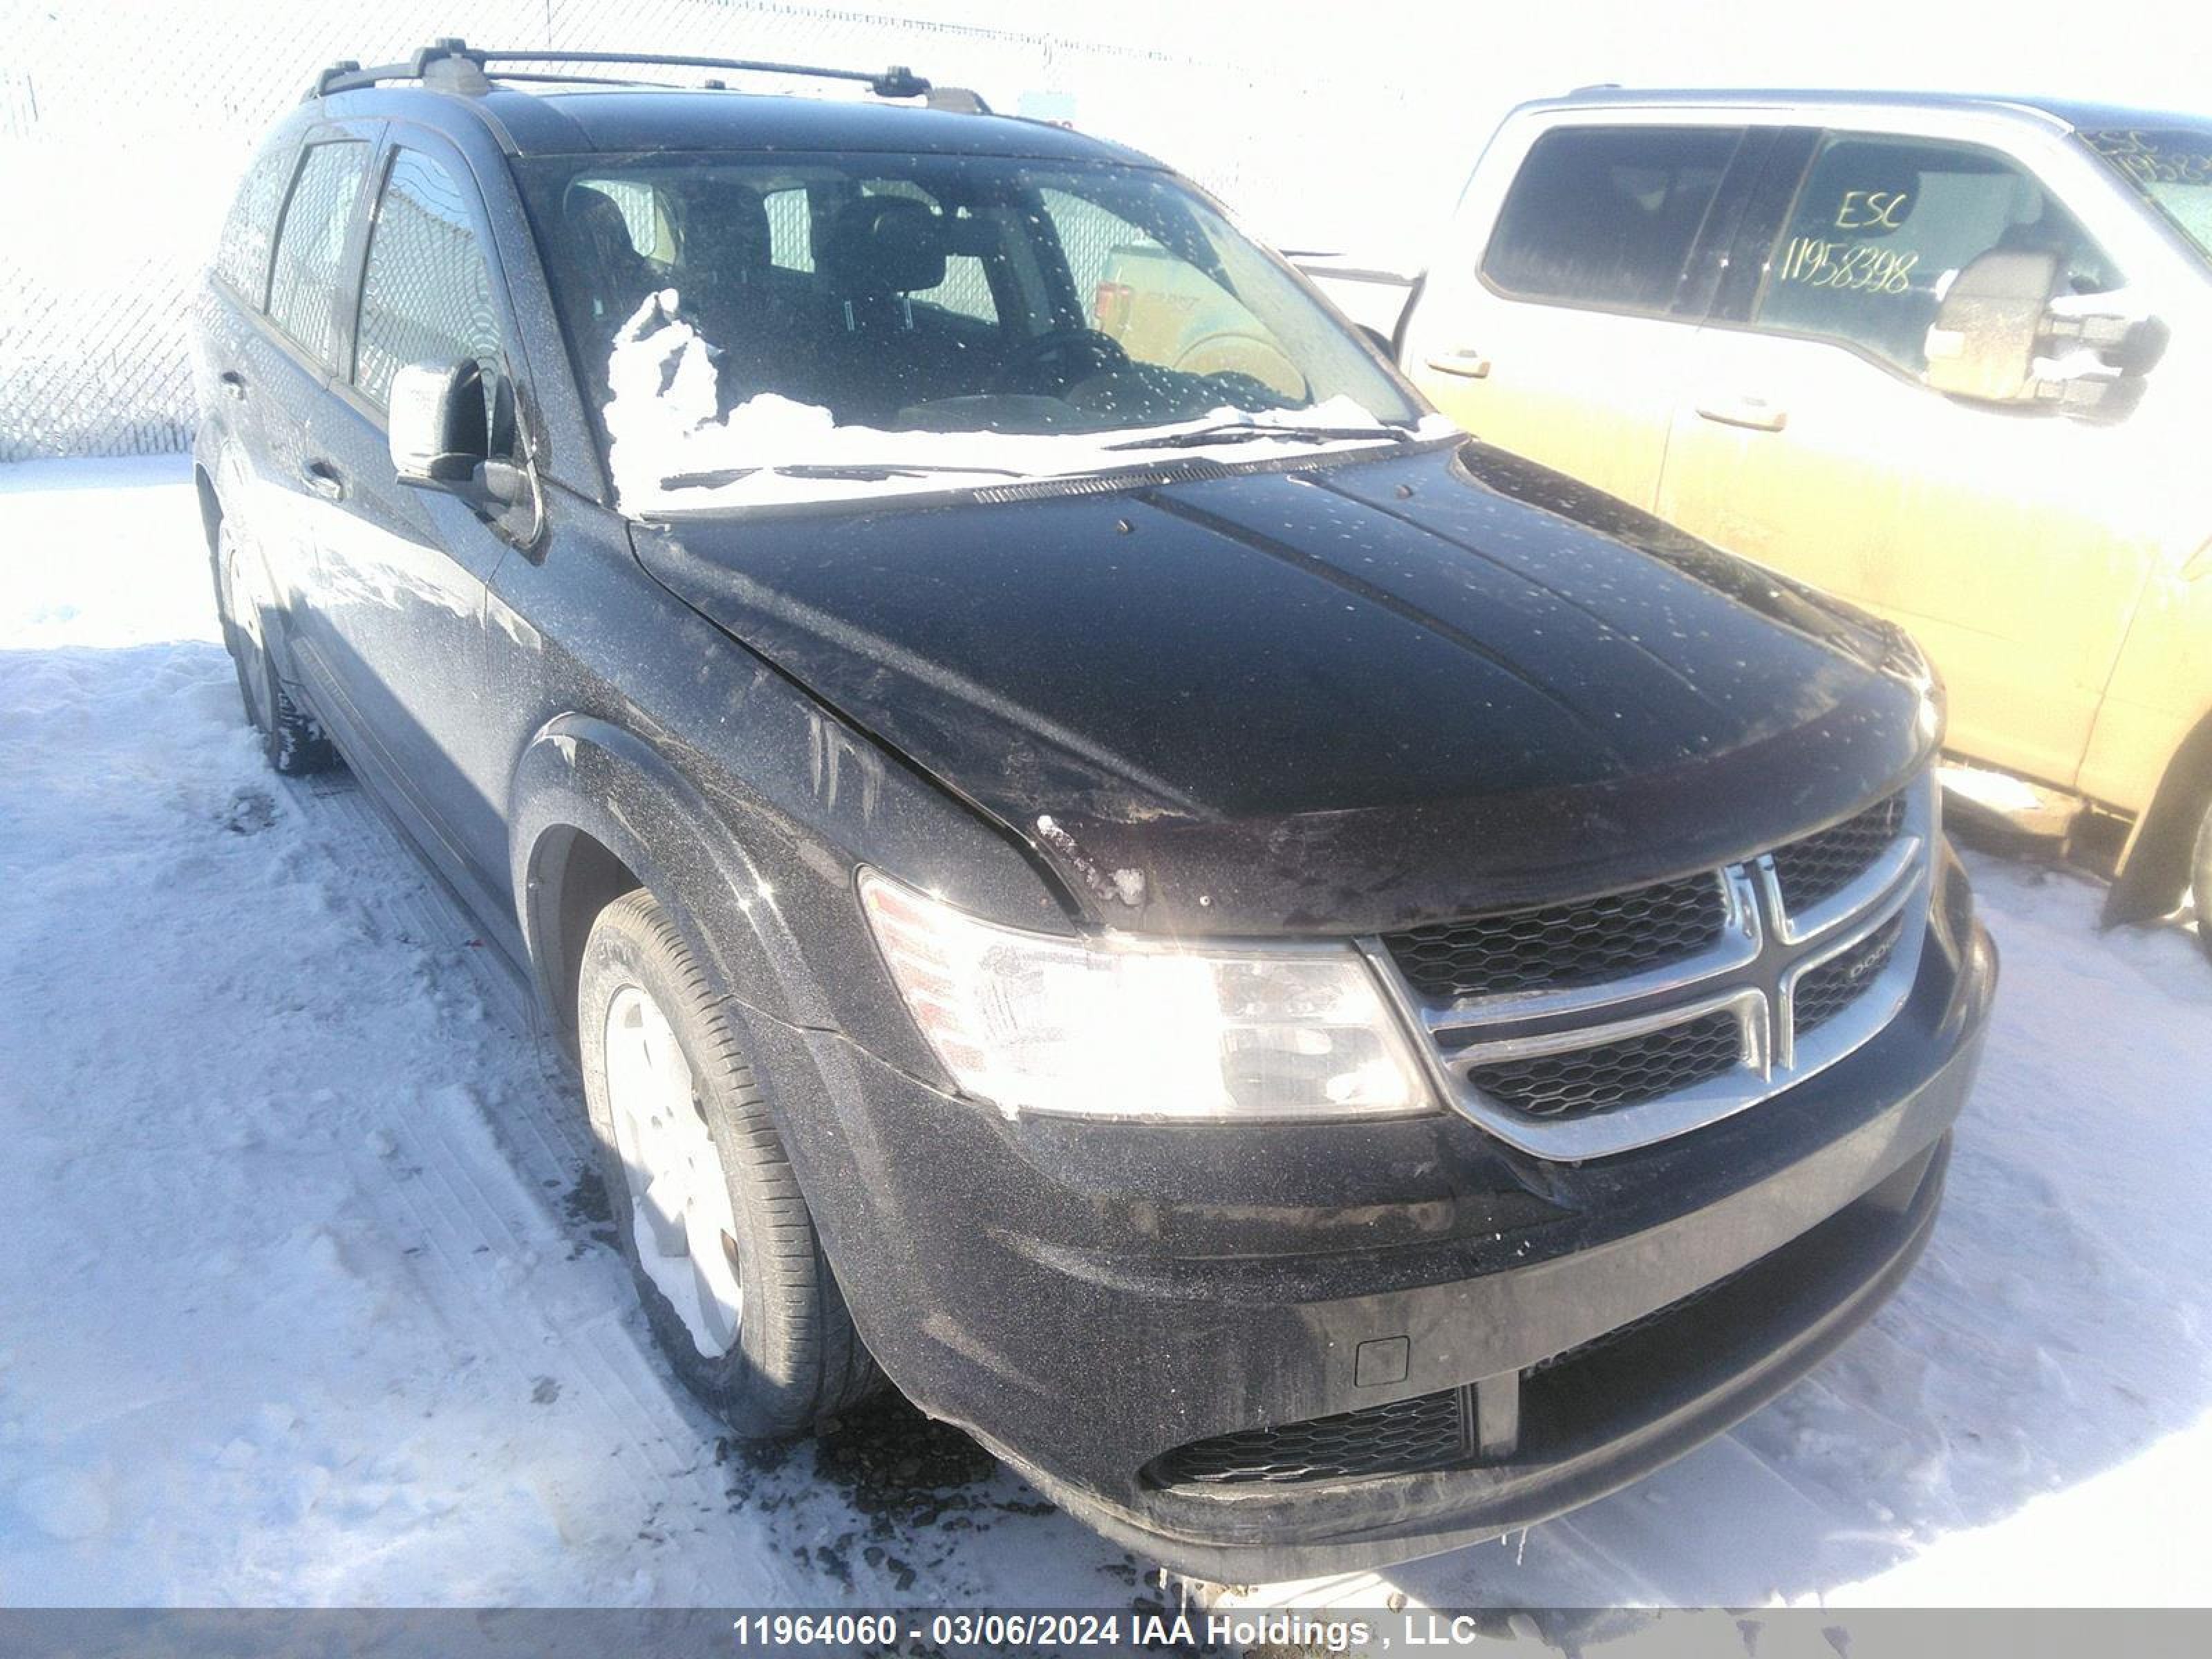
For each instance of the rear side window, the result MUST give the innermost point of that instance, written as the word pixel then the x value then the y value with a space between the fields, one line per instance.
pixel 1880 227
pixel 1607 217
pixel 241 255
pixel 303 286
pixel 643 221
pixel 426 296
pixel 790 230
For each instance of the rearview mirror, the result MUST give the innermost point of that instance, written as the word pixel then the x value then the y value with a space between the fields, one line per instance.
pixel 1987 327
pixel 439 432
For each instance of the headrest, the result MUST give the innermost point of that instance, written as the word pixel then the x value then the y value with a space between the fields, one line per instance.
pixel 884 245
pixel 725 228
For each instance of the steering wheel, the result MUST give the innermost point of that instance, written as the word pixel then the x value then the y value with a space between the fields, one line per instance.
pixel 1060 359
pixel 1246 391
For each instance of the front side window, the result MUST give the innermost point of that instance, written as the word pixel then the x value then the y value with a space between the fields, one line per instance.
pixel 2170 167
pixel 241 254
pixel 854 316
pixel 304 284
pixel 1881 227
pixel 425 294
pixel 1608 217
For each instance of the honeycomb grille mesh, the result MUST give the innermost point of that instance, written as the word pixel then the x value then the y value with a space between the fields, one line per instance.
pixel 1563 945
pixel 1821 865
pixel 1425 1432
pixel 1828 989
pixel 1628 1072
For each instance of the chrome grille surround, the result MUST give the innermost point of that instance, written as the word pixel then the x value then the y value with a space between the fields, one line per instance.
pixel 1751 972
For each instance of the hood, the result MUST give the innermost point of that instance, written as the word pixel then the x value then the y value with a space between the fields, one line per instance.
pixel 1340 699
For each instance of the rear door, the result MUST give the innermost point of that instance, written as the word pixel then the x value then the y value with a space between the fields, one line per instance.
pixel 1559 321
pixel 405 570
pixel 229 321
pixel 2013 541
pixel 280 365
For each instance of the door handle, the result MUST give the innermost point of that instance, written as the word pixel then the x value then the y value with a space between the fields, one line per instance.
pixel 1466 362
pixel 324 480
pixel 233 384
pixel 1755 414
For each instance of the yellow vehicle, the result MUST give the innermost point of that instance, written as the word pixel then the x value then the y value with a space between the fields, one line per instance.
pixel 1947 358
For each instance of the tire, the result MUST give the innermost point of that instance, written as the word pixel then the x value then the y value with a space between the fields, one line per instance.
pixel 2200 881
pixel 291 739
pixel 795 1358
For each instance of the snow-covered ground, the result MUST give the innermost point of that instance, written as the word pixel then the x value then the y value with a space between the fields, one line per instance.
pixel 303 1296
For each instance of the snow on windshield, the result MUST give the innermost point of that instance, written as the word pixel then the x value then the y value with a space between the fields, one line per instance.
pixel 670 450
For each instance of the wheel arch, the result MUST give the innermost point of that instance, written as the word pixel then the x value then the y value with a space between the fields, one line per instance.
pixel 210 505
pixel 597 809
pixel 2153 870
pixel 595 812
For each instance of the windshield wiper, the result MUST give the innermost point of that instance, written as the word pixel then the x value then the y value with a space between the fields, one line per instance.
pixel 1232 432
pixel 855 472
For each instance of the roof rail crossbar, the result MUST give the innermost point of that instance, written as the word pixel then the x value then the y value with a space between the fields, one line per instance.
pixel 896 82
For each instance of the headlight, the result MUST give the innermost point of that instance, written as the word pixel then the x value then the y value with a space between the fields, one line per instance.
pixel 1034 1023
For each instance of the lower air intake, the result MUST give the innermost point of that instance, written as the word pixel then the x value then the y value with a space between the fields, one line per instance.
pixel 1426 1432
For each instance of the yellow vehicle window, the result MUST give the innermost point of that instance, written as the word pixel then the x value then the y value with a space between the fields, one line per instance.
pixel 1159 306
pixel 1881 226
pixel 2170 167
pixel 1608 217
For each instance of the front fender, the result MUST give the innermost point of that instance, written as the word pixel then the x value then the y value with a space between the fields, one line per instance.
pixel 584 775
pixel 581 773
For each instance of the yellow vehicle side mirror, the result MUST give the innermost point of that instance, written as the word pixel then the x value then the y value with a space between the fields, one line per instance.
pixel 1983 343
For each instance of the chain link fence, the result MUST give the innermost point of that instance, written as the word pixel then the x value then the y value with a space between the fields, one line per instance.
pixel 124 126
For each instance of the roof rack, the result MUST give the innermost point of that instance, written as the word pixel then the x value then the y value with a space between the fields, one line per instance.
pixel 453 66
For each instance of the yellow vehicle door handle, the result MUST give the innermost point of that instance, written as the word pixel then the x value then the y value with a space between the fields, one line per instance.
pixel 1755 413
pixel 1467 364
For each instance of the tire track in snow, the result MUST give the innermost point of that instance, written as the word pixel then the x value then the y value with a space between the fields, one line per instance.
pixel 461 1196
pixel 732 1528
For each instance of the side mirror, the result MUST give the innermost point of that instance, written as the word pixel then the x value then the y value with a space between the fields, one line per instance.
pixel 1987 324
pixel 440 436
pixel 439 432
pixel 1999 336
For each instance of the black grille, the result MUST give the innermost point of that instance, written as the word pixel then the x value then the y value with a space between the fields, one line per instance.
pixel 1425 1432
pixel 1562 945
pixel 1627 1073
pixel 1822 865
pixel 1827 990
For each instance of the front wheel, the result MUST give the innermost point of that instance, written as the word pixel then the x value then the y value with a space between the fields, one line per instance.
pixel 705 1206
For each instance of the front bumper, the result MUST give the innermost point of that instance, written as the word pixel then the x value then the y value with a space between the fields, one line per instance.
pixel 1089 1299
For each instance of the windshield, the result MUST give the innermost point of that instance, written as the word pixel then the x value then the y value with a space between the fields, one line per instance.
pixel 756 329
pixel 2170 167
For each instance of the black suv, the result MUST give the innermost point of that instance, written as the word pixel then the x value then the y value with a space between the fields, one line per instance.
pixel 1325 991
